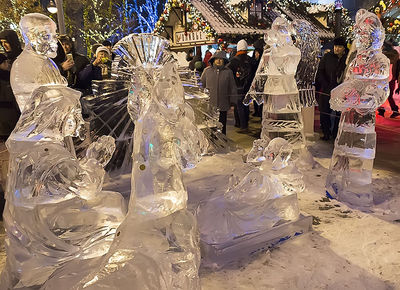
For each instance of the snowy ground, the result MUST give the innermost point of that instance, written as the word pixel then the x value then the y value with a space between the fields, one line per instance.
pixel 347 249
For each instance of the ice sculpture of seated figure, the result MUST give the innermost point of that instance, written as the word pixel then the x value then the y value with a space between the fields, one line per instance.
pixel 55 211
pixel 265 197
pixel 33 67
pixel 156 247
pixel 364 89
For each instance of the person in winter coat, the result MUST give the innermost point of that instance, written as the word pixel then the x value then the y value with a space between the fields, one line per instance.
pixel 207 56
pixel 11 45
pixel 9 110
pixel 219 81
pixel 257 54
pixel 329 75
pixel 74 62
pixel 99 69
pixel 243 71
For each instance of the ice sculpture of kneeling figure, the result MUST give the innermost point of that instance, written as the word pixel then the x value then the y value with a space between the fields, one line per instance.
pixel 55 211
pixel 264 198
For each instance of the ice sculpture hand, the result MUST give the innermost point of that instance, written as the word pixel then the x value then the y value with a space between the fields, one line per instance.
pixel 101 150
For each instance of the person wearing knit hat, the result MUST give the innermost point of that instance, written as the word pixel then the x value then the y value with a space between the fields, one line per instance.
pixel 242 66
pixel 329 75
pixel 99 69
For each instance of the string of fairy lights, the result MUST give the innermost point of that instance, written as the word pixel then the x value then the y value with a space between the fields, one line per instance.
pixel 390 23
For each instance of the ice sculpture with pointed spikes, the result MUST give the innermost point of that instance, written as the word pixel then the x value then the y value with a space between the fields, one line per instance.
pixel 55 210
pixel 33 67
pixel 156 247
pixel 364 89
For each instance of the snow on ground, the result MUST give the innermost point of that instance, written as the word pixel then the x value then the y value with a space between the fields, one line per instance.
pixel 347 249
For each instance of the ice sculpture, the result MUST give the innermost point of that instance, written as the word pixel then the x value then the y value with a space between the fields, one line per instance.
pixel 156 246
pixel 365 88
pixel 55 211
pixel 275 86
pixel 307 40
pixel 33 67
pixel 249 214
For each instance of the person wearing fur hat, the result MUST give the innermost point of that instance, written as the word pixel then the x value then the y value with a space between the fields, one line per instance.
pixel 99 69
pixel 242 66
pixel 11 45
pixel 329 75
pixel 74 62
pixel 219 81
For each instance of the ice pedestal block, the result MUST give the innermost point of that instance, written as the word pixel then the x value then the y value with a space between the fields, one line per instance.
pixel 217 256
pixel 364 89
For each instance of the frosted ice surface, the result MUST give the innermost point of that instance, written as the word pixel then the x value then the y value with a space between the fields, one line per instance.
pixel 265 197
pixel 33 67
pixel 307 40
pixel 156 246
pixel 365 88
pixel 56 211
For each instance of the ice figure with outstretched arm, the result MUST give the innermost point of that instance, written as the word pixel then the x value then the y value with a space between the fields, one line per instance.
pixel 365 88
pixel 156 247
pixel 56 211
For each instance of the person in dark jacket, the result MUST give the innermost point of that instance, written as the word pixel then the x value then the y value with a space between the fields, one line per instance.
pixel 243 71
pixel 330 74
pixel 258 52
pixel 392 54
pixel 219 81
pixel 99 69
pixel 9 110
pixel 74 62
pixel 11 45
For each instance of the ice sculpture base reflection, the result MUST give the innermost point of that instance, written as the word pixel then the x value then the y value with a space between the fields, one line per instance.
pixel 217 256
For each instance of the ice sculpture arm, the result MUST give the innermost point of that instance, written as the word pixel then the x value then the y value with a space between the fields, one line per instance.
pixel 204 78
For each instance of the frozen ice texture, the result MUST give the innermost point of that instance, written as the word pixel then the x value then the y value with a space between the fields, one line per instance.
pixel 156 246
pixel 56 211
pixel 33 67
pixel 264 198
pixel 365 88
pixel 307 40
pixel 275 86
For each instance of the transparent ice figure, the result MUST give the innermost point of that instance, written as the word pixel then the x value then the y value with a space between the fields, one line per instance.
pixel 33 67
pixel 275 86
pixel 264 198
pixel 307 40
pixel 56 211
pixel 156 247
pixel 364 89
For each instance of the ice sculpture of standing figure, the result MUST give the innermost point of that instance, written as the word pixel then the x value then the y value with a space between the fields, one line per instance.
pixel 276 76
pixel 55 210
pixel 156 246
pixel 33 67
pixel 365 88
pixel 307 40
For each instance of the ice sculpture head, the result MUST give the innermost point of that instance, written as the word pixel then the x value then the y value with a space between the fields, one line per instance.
pixel 368 30
pixel 278 152
pixel 278 35
pixel 39 33
pixel 53 113
pixel 101 150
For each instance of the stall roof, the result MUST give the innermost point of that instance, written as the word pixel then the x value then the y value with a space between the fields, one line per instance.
pixel 221 18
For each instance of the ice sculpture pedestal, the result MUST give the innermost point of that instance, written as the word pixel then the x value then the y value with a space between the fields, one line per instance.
pixel 217 256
